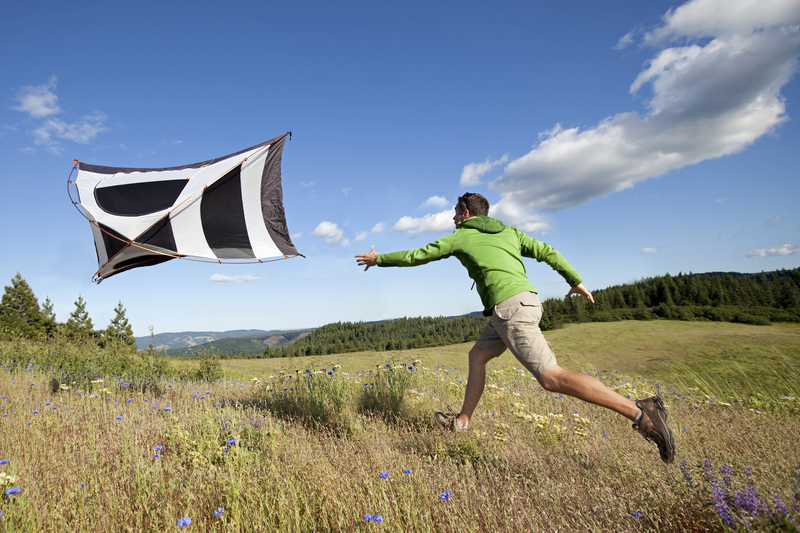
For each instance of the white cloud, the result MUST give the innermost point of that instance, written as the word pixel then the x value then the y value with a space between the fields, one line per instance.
pixel 720 200
pixel 297 235
pixel 430 223
pixel 306 184
pixel 786 249
pixel 377 228
pixel 438 202
pixel 775 221
pixel 331 233
pixel 347 191
pixel 27 150
pixel 241 278
pixel 361 236
pixel 38 101
pixel 707 99
pixel 651 250
pixel 471 174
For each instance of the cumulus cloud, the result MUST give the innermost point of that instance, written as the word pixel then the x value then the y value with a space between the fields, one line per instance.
pixel 430 223
pixel 361 236
pixel 712 88
pixel 437 202
pixel 786 249
pixel 377 228
pixel 297 235
pixel 651 250
pixel 471 174
pixel 331 233
pixel 241 278
pixel 40 102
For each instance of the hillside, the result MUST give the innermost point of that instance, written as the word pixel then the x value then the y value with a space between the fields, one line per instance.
pixel 186 339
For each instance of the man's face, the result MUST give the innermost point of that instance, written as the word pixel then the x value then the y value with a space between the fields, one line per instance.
pixel 461 215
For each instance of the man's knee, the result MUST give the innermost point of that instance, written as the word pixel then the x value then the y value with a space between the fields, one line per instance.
pixel 479 357
pixel 551 380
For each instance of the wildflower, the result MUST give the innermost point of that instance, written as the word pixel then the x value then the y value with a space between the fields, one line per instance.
pixel 232 442
pixel 156 448
pixel 119 418
pixel 378 518
pixel 445 495
pixel 14 490
pixel 368 517
pixel 3 461
pixel 407 471
pixel 384 475
pixel 636 515
pixel 219 512
pixel 185 521
pixel 166 409
pixel 129 400
pixel 605 435
pixel 35 412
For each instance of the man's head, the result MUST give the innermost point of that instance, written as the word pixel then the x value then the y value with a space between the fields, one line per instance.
pixel 470 205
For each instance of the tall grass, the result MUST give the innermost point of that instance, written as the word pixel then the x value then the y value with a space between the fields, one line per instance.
pixel 323 448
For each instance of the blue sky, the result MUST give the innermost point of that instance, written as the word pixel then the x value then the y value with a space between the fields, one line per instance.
pixel 638 138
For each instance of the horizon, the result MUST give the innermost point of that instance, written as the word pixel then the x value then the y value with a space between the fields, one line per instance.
pixel 660 139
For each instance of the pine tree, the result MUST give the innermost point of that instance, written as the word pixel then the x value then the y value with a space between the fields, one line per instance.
pixel 79 323
pixel 119 330
pixel 19 311
pixel 49 317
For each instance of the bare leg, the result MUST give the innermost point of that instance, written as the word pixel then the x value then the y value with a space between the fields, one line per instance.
pixel 476 380
pixel 586 388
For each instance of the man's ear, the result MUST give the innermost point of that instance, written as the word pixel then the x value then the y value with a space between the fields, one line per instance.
pixel 466 214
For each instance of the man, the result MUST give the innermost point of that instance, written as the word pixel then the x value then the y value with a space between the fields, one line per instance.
pixel 492 254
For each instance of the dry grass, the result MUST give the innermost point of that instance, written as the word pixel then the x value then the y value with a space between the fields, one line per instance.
pixel 80 467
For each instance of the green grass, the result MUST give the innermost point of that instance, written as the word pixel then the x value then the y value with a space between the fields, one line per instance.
pixel 309 449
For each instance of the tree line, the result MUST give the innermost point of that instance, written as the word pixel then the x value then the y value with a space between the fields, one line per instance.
pixel 758 299
pixel 21 316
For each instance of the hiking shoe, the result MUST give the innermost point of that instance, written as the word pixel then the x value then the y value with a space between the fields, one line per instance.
pixel 653 427
pixel 449 423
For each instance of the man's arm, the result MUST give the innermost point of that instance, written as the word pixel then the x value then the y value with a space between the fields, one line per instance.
pixel 580 289
pixel 367 260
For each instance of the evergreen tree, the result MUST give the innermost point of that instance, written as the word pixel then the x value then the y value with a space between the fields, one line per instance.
pixel 79 323
pixel 49 317
pixel 19 311
pixel 119 330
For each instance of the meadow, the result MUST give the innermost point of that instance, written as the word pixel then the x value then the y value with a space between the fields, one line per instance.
pixel 346 442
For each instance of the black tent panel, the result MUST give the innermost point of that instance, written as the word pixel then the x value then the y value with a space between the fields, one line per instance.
pixel 272 200
pixel 114 243
pixel 137 199
pixel 222 216
pixel 159 235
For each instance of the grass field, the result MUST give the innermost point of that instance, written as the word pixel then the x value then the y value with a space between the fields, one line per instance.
pixel 343 443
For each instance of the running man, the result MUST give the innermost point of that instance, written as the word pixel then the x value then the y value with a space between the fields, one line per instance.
pixel 492 254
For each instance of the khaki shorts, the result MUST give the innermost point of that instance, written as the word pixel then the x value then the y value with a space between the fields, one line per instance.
pixel 515 325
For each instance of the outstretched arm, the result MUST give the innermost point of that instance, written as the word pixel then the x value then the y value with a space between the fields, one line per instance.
pixel 369 260
pixel 580 289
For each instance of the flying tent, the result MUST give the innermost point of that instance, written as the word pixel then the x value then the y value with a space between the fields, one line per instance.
pixel 228 208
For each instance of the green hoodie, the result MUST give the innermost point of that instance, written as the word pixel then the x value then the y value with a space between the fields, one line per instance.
pixel 492 253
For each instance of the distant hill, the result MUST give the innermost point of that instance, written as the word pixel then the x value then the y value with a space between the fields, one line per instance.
pixel 187 339
pixel 241 346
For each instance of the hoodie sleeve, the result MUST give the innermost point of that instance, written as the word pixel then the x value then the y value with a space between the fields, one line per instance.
pixel 543 252
pixel 434 251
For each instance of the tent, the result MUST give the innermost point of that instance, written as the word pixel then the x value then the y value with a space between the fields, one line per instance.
pixel 229 208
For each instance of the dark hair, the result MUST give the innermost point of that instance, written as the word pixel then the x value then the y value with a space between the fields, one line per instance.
pixel 476 204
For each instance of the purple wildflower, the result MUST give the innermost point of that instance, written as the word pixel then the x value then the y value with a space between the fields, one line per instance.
pixel 185 521
pixel 384 475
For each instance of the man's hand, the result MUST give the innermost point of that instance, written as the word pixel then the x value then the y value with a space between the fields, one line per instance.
pixel 369 260
pixel 580 289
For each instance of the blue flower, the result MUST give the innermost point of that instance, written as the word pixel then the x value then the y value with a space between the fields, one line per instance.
pixel 605 435
pixel 13 490
pixel 232 442
pixel 637 515
pixel 445 495
pixel 35 412
pixel 378 518
pixel 384 475
pixel 368 517
pixel 158 448
pixel 166 409
pixel 407 471
pixel 219 512
pixel 3 461
pixel 119 418
pixel 185 521
pixel 129 400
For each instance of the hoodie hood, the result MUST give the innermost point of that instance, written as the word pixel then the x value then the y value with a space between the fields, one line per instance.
pixel 483 224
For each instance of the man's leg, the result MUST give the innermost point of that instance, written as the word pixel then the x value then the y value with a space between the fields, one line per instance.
pixel 587 388
pixel 478 357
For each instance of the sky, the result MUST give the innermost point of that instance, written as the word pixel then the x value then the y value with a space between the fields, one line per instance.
pixel 637 138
